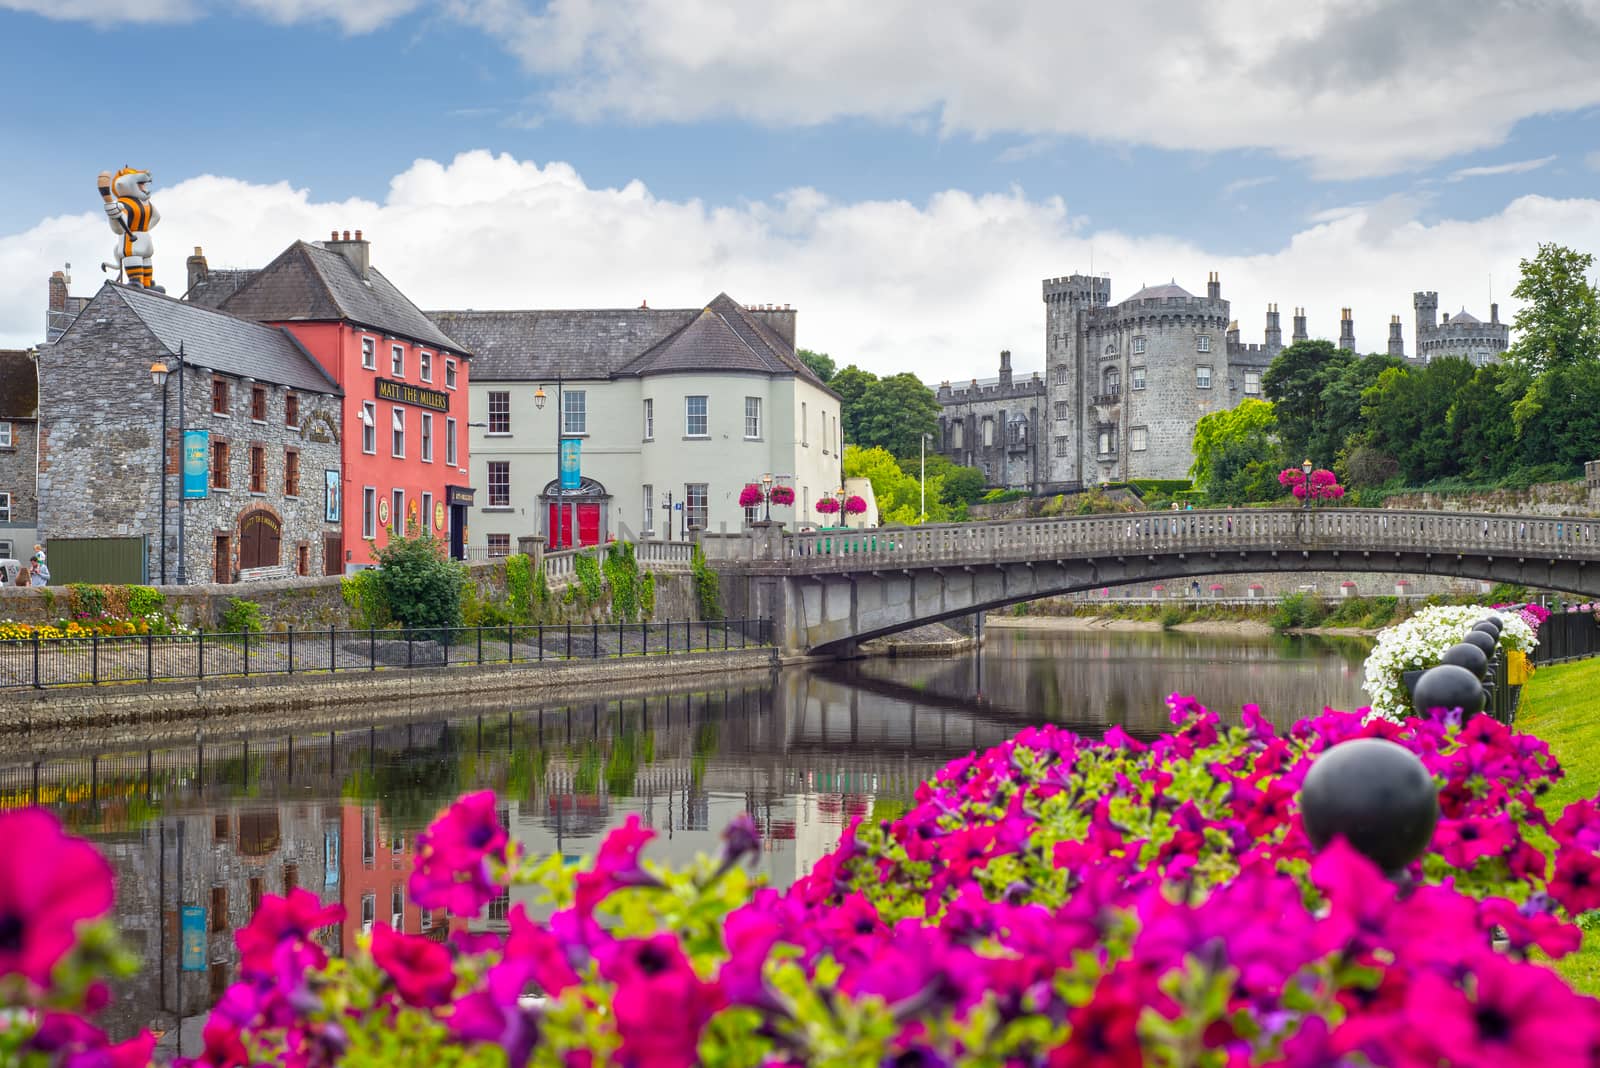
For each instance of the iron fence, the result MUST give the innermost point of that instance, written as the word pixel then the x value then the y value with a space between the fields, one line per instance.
pixel 1567 636
pixel 37 663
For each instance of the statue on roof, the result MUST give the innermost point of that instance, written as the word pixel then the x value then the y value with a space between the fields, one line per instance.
pixel 127 204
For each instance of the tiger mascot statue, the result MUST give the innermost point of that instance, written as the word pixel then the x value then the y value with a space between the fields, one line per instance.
pixel 128 209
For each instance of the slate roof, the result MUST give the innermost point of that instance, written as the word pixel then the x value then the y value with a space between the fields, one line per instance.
pixel 310 283
pixel 219 284
pixel 224 342
pixel 1171 289
pixel 19 385
pixel 1464 316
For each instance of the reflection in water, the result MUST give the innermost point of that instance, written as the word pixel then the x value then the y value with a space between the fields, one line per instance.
pixel 219 823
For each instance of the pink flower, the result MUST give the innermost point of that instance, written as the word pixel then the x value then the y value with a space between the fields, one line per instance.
pixel 660 1005
pixel 616 865
pixel 1518 1014
pixel 1105 1032
pixel 49 884
pixel 421 969
pixel 1463 842
pixel 454 856
pixel 1576 883
pixel 540 953
pixel 750 496
pixel 291 919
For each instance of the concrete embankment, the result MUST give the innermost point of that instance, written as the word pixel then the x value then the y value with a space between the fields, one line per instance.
pixel 357 696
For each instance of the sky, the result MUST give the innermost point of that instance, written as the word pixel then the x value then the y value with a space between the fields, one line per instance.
pixel 904 174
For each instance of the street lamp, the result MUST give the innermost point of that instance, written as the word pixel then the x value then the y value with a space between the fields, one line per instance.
pixel 766 494
pixel 844 519
pixel 1305 469
pixel 538 402
pixel 923 478
pixel 158 375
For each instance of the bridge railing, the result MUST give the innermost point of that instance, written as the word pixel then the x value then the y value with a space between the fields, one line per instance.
pixel 1212 530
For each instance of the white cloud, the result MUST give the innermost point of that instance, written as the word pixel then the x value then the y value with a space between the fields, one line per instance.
pixel 937 287
pixel 1239 185
pixel 360 17
pixel 1521 166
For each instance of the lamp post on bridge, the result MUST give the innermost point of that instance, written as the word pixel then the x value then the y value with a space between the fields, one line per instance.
pixel 1305 469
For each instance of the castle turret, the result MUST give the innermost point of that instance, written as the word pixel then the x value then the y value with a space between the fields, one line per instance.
pixel 1299 326
pixel 1427 306
pixel 1347 331
pixel 1494 314
pixel 1397 344
pixel 1214 286
pixel 1233 335
pixel 1005 368
pixel 1274 329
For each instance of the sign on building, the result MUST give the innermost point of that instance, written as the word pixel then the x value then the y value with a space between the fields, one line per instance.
pixel 196 464
pixel 571 474
pixel 194 938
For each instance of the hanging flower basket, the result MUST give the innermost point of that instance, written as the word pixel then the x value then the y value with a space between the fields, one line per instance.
pixel 750 496
pixel 827 506
pixel 855 506
pixel 1216 587
pixel 782 495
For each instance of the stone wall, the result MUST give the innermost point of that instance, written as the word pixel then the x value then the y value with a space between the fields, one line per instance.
pixel 17 479
pixel 1545 499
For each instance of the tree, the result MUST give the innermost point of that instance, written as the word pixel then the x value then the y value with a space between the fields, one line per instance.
pixel 852 385
pixel 1341 405
pixel 894 413
pixel 1559 324
pixel 1237 455
pixel 1294 383
pixel 1482 432
pixel 961 485
pixel 1566 429
pixel 820 362
pixel 1406 415
pixel 420 582
pixel 899 494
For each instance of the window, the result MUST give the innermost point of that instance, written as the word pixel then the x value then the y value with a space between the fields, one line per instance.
pixel 1138 439
pixel 397 360
pixel 987 426
pixel 369 912
pixel 369 512
pixel 499 483
pixel 427 438
pixel 291 473
pixel 5 508
pixel 425 366
pixel 958 435
pixel 427 512
pixel 303 560
pixel 1202 343
pixel 1136 378
pixel 5 435
pixel 574 412
pixel 805 441
pixel 450 442
pixel 499 412
pixel 369 427
pixel 258 403
pixel 499 544
pixel 219 908
pixel 752 514
pixel 219 464
pixel 219 396
pixel 1111 381
pixel 695 421
pixel 694 505
pixel 752 418
pixel 220 828
pixel 369 354
pixel 1202 376
pixel 1108 441
pixel 1061 446
pixel 397 909
pixel 450 374
pixel 291 877
pixel 1138 346
pixel 649 513
pixel 1061 373
pixel 256 890
pixel 5 546
pixel 291 409
pixel 397 444
pixel 397 510
pixel 649 418
pixel 1252 383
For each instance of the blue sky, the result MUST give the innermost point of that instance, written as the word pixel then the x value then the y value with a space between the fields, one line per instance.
pixel 1163 141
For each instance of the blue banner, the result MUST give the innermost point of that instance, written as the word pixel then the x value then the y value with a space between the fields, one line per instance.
pixel 330 849
pixel 570 474
pixel 194 938
pixel 196 464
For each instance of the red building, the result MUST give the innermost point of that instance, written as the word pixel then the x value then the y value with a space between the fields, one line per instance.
pixel 374 868
pixel 404 433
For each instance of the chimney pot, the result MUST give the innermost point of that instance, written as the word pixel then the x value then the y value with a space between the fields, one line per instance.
pixel 358 235
pixel 333 235
pixel 198 251
pixel 347 235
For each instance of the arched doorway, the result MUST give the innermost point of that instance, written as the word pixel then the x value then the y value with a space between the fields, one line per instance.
pixel 260 533
pixel 576 517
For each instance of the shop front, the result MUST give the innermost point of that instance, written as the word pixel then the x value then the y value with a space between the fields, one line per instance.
pixel 458 499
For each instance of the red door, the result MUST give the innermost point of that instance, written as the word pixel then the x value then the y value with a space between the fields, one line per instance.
pixel 560 526
pixel 586 520
pixel 588 524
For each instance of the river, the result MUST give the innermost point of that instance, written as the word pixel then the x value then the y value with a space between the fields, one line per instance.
pixel 198 834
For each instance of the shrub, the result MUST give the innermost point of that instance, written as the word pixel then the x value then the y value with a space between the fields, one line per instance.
pixel 647 595
pixel 1171 616
pixel 240 617
pixel 421 584
pixel 1298 610
pixel 622 573
pixel 588 572
pixel 143 600
pixel 1001 496
pixel 86 599
pixel 519 587
pixel 707 587
pixel 364 593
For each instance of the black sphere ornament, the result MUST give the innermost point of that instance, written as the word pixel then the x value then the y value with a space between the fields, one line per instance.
pixel 1468 656
pixel 1491 629
pixel 1448 686
pixel 1374 794
pixel 1481 640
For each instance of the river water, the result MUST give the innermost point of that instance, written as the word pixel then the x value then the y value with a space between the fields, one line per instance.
pixel 198 833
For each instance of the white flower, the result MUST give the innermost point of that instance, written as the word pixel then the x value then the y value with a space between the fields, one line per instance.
pixel 1418 642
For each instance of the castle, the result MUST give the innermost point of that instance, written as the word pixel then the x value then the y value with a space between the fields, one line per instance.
pixel 1125 384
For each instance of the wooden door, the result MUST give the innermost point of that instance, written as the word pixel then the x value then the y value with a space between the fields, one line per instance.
pixel 222 568
pixel 559 529
pixel 332 555
pixel 588 524
pixel 258 541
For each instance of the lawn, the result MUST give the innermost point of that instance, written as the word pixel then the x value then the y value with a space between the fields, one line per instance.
pixel 1561 704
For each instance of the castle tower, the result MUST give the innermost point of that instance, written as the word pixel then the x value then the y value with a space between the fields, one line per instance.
pixel 1299 327
pixel 1005 368
pixel 1397 344
pixel 1274 329
pixel 1214 286
pixel 1347 331
pixel 1069 367
pixel 1427 307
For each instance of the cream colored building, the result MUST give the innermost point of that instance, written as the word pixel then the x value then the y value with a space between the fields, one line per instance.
pixel 674 412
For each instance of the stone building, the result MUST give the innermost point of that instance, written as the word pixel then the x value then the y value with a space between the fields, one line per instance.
pixel 992 425
pixel 19 428
pixel 263 469
pixel 1462 334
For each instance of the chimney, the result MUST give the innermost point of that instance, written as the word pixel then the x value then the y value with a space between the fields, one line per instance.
pixel 1299 326
pixel 779 320
pixel 357 250
pixel 1005 368
pixel 58 291
pixel 1397 344
pixel 197 269
pixel 1214 286
pixel 1274 329
pixel 1494 313
pixel 1347 331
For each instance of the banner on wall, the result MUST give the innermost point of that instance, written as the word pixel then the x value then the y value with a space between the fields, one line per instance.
pixel 196 464
pixel 571 475
pixel 194 938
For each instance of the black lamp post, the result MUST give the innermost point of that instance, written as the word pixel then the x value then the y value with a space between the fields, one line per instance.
pixel 844 519
pixel 538 402
pixel 1305 469
pixel 158 375
pixel 766 494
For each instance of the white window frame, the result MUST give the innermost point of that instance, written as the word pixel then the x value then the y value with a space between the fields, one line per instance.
pixel 397 511
pixel 490 484
pixel 704 415
pixel 449 374
pixel 574 413
pixel 450 442
pixel 369 512
pixel 1136 377
pixel 425 365
pixel 1138 438
pixel 397 360
pixel 369 911
pixel 1138 346
pixel 690 510
pixel 1106 442
pixel 491 544
pixel 752 419
pixel 426 513
pixel 369 354
pixel 1252 383
pixel 1202 343
pixel 805 440
pixel 1202 376
pixel 427 438
pixel 649 419
pixel 5 507
pixel 369 428
pixel 397 432
pixel 649 512
pixel 489 430
pixel 5 434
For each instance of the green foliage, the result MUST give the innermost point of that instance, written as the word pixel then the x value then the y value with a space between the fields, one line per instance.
pixel 364 593
pixel 622 574
pixel 819 362
pixel 1001 496
pixel 240 617
pixel 891 413
pixel 587 568
pixel 86 599
pixel 707 586
pixel 541 595
pixel 1298 610
pixel 1236 454
pixel 1559 324
pixel 899 495
pixel 1509 593
pixel 421 584
pixel 1160 487
pixel 959 485
pixel 143 600
pixel 647 595
pixel 1171 616
pixel 1406 414
pixel 519 587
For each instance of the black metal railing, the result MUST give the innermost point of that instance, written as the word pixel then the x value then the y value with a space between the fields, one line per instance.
pixel 1567 636
pixel 37 662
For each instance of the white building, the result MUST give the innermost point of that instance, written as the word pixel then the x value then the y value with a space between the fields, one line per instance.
pixel 686 406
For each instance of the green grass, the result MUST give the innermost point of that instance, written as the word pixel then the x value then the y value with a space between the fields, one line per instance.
pixel 1561 704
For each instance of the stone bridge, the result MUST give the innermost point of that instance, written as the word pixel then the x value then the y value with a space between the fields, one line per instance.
pixel 830 590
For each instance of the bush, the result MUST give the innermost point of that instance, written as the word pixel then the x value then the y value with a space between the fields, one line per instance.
pixel 587 568
pixel 240 617
pixel 1171 616
pixel 707 587
pixel 143 600
pixel 421 584
pixel 364 593
pixel 1298 610
pixel 86 599
pixel 519 587
pixel 622 573
pixel 1001 496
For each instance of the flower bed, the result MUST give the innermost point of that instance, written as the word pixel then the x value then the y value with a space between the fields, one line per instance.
pixel 1051 902
pixel 1417 643
pixel 85 627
